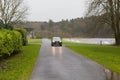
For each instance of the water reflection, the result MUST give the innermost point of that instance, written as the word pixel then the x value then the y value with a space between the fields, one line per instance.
pixel 57 51
pixel 53 51
pixel 60 51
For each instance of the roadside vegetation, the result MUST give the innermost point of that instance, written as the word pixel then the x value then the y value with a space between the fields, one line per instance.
pixel 17 57
pixel 11 41
pixel 34 41
pixel 20 66
pixel 108 56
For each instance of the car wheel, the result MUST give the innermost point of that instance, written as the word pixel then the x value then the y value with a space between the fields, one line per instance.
pixel 60 44
pixel 51 44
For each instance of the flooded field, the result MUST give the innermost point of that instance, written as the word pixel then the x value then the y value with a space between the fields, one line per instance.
pixel 92 40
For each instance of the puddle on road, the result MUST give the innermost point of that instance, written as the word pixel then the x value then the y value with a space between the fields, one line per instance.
pixel 110 75
pixel 60 51
pixel 57 51
pixel 53 51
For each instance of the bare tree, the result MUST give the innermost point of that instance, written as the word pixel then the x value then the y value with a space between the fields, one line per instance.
pixel 112 10
pixel 12 11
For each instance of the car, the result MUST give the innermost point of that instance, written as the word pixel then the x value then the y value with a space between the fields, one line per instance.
pixel 56 41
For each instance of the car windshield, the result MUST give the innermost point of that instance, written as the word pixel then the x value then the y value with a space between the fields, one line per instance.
pixel 56 38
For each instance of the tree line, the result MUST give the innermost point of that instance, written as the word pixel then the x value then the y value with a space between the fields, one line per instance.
pixel 90 27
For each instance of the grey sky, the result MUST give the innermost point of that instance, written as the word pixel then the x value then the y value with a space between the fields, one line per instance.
pixel 43 10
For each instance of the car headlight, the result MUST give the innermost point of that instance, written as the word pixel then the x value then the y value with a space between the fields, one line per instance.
pixel 53 41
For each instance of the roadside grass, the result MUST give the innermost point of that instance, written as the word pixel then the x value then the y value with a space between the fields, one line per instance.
pixel 34 41
pixel 20 66
pixel 108 56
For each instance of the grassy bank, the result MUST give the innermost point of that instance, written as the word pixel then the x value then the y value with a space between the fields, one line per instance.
pixel 20 66
pixel 34 41
pixel 108 56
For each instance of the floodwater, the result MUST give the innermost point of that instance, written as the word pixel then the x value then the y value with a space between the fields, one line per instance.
pixel 92 40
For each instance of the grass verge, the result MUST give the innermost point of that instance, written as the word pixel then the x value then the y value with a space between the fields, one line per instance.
pixel 20 66
pixel 34 41
pixel 108 56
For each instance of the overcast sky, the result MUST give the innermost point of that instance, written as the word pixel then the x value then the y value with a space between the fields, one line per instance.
pixel 44 10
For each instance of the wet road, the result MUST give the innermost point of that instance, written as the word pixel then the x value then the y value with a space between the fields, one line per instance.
pixel 60 63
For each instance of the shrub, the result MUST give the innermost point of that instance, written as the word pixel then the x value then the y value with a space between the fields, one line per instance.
pixel 10 41
pixel 24 35
pixel 6 42
pixel 17 40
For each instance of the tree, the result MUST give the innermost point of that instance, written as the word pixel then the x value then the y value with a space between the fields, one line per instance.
pixel 51 26
pixel 51 23
pixel 12 11
pixel 112 10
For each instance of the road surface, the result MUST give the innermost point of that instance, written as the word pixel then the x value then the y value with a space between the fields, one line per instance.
pixel 60 63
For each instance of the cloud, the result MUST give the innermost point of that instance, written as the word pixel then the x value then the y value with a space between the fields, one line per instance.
pixel 43 10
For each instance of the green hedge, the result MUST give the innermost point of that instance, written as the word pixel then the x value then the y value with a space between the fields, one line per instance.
pixel 24 35
pixel 10 41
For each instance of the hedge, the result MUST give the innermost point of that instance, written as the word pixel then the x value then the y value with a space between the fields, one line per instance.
pixel 10 41
pixel 24 35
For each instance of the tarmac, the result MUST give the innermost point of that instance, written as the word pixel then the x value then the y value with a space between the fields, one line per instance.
pixel 61 63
